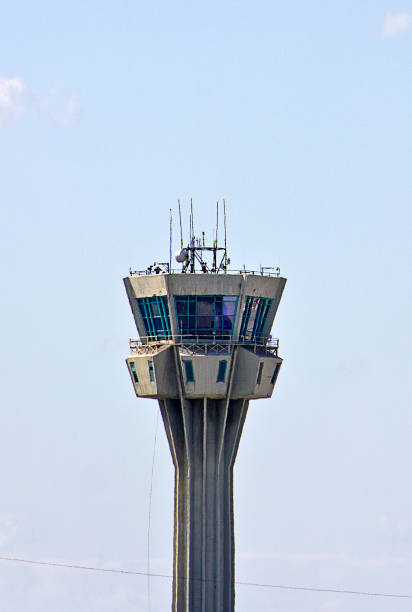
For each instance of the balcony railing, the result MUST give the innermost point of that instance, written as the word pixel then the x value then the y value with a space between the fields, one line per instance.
pixel 205 344
pixel 265 271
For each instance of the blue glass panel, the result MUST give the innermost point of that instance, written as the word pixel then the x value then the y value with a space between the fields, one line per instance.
pixel 205 306
pixel 254 318
pixel 227 323
pixel 151 371
pixel 181 307
pixel 155 309
pixel 219 322
pixel 155 314
pixel 229 308
pixel 205 322
pixel 192 306
pixel 206 318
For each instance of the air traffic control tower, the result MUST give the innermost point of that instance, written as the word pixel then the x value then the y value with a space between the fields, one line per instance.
pixel 204 351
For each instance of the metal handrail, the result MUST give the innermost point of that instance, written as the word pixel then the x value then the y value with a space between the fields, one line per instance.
pixel 222 339
pixel 179 271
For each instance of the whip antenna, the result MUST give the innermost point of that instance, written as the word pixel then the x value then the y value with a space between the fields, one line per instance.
pixel 192 235
pixel 170 242
pixel 180 219
pixel 224 219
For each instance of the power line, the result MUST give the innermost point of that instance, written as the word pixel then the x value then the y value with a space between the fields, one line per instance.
pixel 324 590
pixel 240 583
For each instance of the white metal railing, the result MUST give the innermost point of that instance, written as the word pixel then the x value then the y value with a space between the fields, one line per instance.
pixel 150 343
pixel 150 272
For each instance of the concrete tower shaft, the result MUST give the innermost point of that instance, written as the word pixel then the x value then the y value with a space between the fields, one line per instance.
pixel 204 351
pixel 204 537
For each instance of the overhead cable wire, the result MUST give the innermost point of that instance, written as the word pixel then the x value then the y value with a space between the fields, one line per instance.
pixel 240 583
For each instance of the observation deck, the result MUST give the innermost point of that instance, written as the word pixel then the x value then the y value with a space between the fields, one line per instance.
pixel 194 328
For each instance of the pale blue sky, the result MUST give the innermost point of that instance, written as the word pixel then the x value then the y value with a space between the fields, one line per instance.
pixel 299 114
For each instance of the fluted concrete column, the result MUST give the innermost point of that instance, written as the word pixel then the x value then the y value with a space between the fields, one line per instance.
pixel 204 436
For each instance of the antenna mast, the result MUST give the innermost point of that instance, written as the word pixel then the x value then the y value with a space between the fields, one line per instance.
pixel 193 255
pixel 180 219
pixel 224 218
pixel 192 238
pixel 170 241
pixel 215 245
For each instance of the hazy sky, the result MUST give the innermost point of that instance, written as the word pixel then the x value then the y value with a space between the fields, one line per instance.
pixel 299 114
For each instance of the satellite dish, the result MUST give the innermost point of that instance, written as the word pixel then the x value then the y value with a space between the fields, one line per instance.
pixel 181 255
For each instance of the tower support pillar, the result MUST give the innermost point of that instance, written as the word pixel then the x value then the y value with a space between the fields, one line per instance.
pixel 203 436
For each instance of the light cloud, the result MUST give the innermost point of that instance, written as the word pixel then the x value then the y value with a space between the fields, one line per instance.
pixel 71 109
pixel 13 97
pixel 396 24
pixel 394 526
pixel 18 99
pixel 61 104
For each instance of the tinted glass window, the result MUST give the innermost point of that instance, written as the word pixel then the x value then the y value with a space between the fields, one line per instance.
pixel 155 315
pixel 206 316
pixel 254 319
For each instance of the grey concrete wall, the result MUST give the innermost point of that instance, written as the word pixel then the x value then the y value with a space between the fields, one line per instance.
pixel 169 369
pixel 165 380
pixel 245 376
pixel 205 368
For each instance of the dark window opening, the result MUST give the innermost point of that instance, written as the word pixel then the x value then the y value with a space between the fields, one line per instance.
pixel 151 371
pixel 259 376
pixel 275 374
pixel 133 371
pixel 221 372
pixel 189 373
